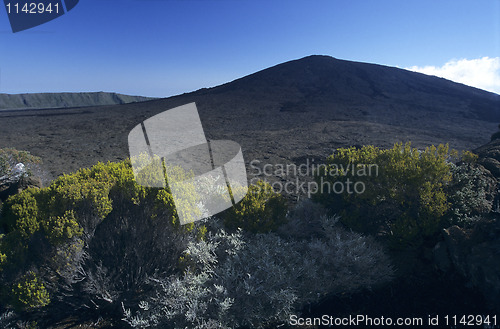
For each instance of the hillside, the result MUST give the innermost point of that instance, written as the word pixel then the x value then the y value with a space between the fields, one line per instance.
pixel 58 100
pixel 298 110
pixel 89 250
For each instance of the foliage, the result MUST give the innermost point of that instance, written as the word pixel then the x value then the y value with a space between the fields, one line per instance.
pixel 94 236
pixel 7 318
pixel 469 157
pixel 155 173
pixel 25 212
pixel 469 193
pixel 96 239
pixel 261 210
pixel 30 292
pixel 404 190
pixel 10 320
pixel 3 259
pixel 62 228
pixel 258 280
pixel 304 221
pixel 10 157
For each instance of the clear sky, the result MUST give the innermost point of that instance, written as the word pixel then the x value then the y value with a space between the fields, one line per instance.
pixel 166 47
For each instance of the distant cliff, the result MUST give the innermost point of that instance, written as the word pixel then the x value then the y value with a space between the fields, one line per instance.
pixel 58 100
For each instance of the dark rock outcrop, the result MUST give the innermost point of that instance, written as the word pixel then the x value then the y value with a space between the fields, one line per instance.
pixel 475 252
pixel 489 155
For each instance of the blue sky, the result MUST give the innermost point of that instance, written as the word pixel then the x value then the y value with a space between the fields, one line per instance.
pixel 167 47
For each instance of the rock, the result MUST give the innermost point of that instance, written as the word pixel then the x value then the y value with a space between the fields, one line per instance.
pixel 455 239
pixel 441 257
pixel 492 164
pixel 16 181
pixel 29 181
pixel 496 135
pixel 489 156
pixel 475 254
pixel 7 190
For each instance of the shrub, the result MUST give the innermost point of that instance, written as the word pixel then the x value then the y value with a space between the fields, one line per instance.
pixel 22 214
pixel 3 258
pixel 30 292
pixel 62 228
pixel 94 237
pixel 405 197
pixel 470 194
pixel 304 221
pixel 261 210
pixel 7 319
pixel 10 157
pixel 10 320
pixel 258 280
pixel 469 157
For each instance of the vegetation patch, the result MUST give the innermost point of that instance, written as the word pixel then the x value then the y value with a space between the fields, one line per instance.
pixel 409 198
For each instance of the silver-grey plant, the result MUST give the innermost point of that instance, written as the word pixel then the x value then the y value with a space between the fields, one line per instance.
pixel 257 280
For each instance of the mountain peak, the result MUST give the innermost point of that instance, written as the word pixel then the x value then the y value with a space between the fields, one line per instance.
pixel 321 81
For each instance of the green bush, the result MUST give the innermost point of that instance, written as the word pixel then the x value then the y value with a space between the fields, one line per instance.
pixel 22 213
pixel 64 205
pixel 261 210
pixel 3 257
pixel 469 157
pixel 62 228
pixel 30 292
pixel 97 221
pixel 403 193
pixel 72 200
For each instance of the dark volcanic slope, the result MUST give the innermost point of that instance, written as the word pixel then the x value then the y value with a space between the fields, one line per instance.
pixel 293 111
pixel 58 100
